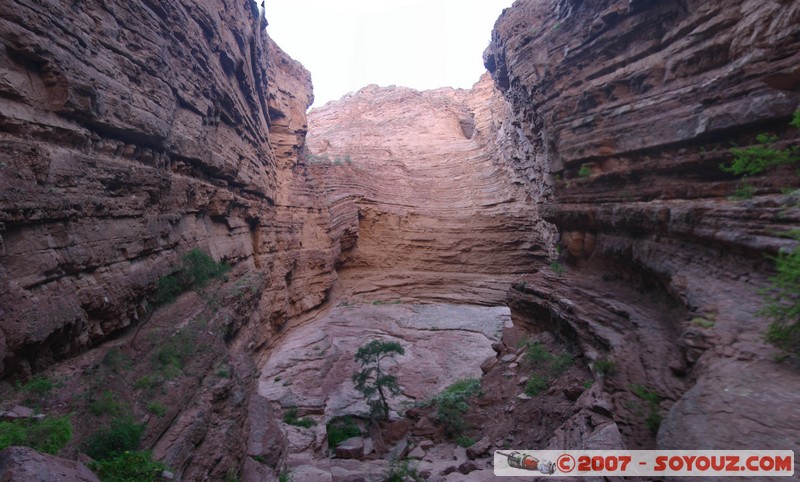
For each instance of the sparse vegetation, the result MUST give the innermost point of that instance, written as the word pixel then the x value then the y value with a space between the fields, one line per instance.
pixel 38 387
pixel 605 366
pixel 371 380
pixel 48 435
pixel 117 361
pixel 755 159
pixel 401 471
pixel 585 171
pixel 546 367
pixel 285 476
pixel 557 268
pixel 157 408
pixel 106 404
pixel 752 160
pixel 653 400
pixel 122 435
pixel 195 271
pixel 340 429
pixel 464 441
pixel 702 322
pixel 535 385
pixel 290 417
pixel 129 466
pixel 782 299
pixel 744 191
pixel 452 403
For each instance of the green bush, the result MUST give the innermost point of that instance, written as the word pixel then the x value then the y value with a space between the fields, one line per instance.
pixel 452 403
pixel 106 404
pixel 290 417
pixel 584 171
pixel 782 300
pixel 557 268
pixel 464 441
pixel 48 435
pixel 535 385
pixel 743 191
pixel 546 367
pixel 748 161
pixel 285 476
pixel 129 466
pixel 653 399
pixel 195 271
pixel 123 435
pixel 157 408
pixel 38 387
pixel 340 429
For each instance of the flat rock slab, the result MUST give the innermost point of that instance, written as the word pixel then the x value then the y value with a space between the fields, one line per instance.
pixel 312 367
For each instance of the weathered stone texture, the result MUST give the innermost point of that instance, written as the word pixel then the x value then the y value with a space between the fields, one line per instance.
pixel 647 98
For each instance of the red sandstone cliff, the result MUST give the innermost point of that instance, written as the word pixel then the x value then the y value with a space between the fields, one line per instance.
pixel 424 179
pixel 130 133
pixel 663 268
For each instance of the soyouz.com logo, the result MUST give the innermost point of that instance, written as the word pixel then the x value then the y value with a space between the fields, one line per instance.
pixel 622 463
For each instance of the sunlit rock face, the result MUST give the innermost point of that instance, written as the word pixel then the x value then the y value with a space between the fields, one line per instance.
pixel 632 107
pixel 426 180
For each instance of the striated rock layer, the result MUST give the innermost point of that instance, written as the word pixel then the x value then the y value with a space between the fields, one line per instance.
pixel 130 133
pixel 422 184
pixel 631 106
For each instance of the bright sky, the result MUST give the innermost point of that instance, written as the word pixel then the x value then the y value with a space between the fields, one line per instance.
pixel 347 44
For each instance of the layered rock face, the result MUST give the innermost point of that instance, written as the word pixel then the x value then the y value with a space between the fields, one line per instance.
pixel 132 132
pixel 423 181
pixel 632 107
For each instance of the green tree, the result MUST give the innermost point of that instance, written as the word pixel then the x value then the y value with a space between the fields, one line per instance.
pixel 371 380
pixel 782 299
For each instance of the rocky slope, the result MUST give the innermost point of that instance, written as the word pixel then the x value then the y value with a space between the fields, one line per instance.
pixel 631 107
pixel 424 179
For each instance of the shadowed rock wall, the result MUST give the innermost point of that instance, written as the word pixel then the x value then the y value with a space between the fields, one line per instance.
pixel 632 106
pixel 132 132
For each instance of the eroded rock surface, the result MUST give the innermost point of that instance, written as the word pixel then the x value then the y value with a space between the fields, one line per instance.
pixel 313 366
pixel 632 107
pixel 426 179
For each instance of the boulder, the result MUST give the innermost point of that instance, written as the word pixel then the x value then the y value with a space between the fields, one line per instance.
pixel 352 448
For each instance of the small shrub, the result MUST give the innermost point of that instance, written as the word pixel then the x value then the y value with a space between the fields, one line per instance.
pixel 653 399
pixel 195 271
pixel 123 434
pixel 535 385
pixel 464 441
pixel 537 353
pixel 106 404
pixel 604 366
pixel 117 361
pixel 752 160
pixel 560 363
pixel 146 382
pixel 584 171
pixel 782 300
pixel 48 435
pixel 401 471
pixel 795 120
pixel 743 192
pixel 340 429
pixel 157 408
pixel 285 476
pixel 557 268
pixel 452 403
pixel 37 389
pixel 129 466
pixel 290 417
pixel 702 322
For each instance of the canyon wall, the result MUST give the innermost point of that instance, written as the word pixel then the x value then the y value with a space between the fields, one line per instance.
pixel 424 182
pixel 631 106
pixel 132 132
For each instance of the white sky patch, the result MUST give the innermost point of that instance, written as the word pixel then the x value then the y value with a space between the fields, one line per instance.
pixel 347 44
